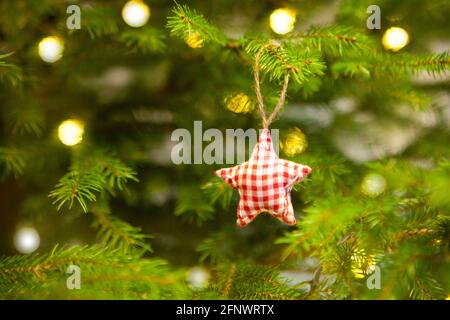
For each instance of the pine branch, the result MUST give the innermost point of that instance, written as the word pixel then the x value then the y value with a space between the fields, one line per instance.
pixel 13 160
pixel 24 157
pixel 20 269
pixel 216 248
pixel 330 39
pixel 276 59
pixel 415 98
pixel 351 69
pixel 329 168
pixel 115 233
pixel 320 225
pixel 145 40
pixel 115 172
pixel 100 21
pixel 414 233
pixel 439 183
pixel 105 272
pixel 292 241
pixel 338 260
pixel 10 73
pixel 79 186
pixel 433 63
pixel 229 280
pixel 85 179
pixel 426 288
pixel 248 281
pixel 216 190
pixel 192 206
pixel 408 274
pixel 185 22
pixel 378 64
pixel 25 119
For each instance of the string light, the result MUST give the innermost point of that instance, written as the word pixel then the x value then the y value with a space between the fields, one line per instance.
pixel 194 40
pixel 135 13
pixel 373 185
pixel 198 277
pixel 294 142
pixel 70 132
pixel 361 262
pixel 51 49
pixel 395 39
pixel 282 20
pixel 26 240
pixel 239 103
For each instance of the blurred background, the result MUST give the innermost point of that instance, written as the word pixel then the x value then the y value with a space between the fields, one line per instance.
pixel 375 129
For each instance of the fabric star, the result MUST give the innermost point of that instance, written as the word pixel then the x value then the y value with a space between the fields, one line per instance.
pixel 264 183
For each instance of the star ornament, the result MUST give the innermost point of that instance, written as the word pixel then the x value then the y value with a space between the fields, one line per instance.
pixel 264 183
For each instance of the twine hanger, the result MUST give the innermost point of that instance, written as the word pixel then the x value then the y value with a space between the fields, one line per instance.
pixel 267 121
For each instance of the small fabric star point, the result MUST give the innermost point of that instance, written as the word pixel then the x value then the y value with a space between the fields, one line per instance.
pixel 264 183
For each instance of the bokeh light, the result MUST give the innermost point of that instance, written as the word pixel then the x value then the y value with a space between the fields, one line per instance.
pixel 51 49
pixel 135 13
pixel 373 185
pixel 239 103
pixel 395 39
pixel 282 20
pixel 194 40
pixel 26 240
pixel 294 142
pixel 198 277
pixel 70 132
pixel 361 262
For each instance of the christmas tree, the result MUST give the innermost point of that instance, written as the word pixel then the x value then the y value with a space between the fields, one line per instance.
pixel 115 116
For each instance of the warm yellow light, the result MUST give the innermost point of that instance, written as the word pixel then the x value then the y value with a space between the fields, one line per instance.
pixel 361 262
pixel 395 38
pixel 373 185
pixel 135 13
pixel 282 20
pixel 239 103
pixel 51 49
pixel 26 240
pixel 194 40
pixel 70 132
pixel 294 142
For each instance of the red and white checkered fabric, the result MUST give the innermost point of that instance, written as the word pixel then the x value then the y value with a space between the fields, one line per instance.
pixel 264 183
